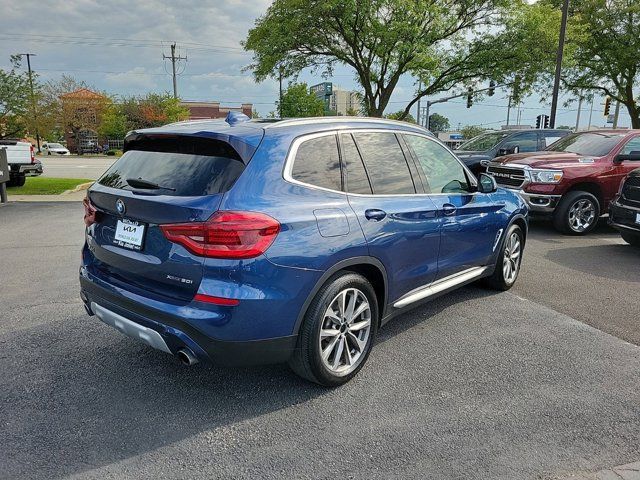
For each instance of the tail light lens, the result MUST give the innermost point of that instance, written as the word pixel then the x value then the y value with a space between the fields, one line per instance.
pixel 90 212
pixel 33 154
pixel 226 235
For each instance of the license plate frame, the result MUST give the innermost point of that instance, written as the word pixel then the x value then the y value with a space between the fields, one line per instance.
pixel 129 234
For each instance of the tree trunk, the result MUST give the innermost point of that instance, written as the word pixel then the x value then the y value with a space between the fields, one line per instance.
pixel 634 113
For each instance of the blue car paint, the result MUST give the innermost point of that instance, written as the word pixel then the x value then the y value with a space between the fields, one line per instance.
pixel 414 245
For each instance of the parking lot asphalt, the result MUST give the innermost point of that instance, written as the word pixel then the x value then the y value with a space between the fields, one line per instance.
pixel 75 166
pixel 476 384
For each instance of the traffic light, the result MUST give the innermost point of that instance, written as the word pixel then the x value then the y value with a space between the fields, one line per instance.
pixel 607 106
pixel 469 97
pixel 492 88
pixel 538 121
pixel 546 121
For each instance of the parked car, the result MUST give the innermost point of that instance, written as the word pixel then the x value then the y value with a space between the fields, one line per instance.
pixel 624 214
pixel 247 242
pixel 574 180
pixel 479 151
pixel 54 149
pixel 22 161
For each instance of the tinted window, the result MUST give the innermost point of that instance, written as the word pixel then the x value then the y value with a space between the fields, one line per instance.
pixel 595 144
pixel 385 162
pixel 632 146
pixel 526 142
pixel 483 142
pixel 317 163
pixel 443 171
pixel 185 175
pixel 357 181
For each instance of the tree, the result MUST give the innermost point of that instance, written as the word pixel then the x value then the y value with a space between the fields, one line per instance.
pixel 471 131
pixel 400 115
pixel 15 100
pixel 114 124
pixel 444 43
pixel 438 123
pixel 604 44
pixel 298 101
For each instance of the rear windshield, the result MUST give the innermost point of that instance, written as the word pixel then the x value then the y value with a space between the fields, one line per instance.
pixel 593 144
pixel 205 170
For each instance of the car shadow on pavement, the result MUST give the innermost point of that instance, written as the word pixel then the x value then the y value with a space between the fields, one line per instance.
pixel 622 261
pixel 78 396
pixel 542 229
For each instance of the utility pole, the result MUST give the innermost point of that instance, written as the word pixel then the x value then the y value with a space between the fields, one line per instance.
pixel 508 110
pixel 616 114
pixel 33 96
pixel 590 114
pixel 556 81
pixel 280 90
pixel 174 59
pixel 419 90
pixel 578 114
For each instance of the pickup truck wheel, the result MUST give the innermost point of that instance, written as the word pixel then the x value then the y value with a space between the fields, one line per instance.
pixel 338 330
pixel 509 260
pixel 20 181
pixel 631 238
pixel 577 213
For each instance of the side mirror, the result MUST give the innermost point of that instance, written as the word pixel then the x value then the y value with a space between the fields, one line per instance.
pixel 632 156
pixel 486 183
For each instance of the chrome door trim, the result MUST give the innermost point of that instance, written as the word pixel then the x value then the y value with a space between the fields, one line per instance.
pixel 441 285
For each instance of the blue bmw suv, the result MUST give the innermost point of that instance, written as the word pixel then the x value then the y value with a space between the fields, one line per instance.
pixel 246 241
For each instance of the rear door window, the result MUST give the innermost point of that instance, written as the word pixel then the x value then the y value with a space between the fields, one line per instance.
pixel 385 162
pixel 357 180
pixel 526 142
pixel 179 167
pixel 317 163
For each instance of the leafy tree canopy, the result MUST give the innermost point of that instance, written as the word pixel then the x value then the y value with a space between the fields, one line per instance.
pixel 298 101
pixel 14 100
pixel 401 115
pixel 471 131
pixel 445 43
pixel 438 123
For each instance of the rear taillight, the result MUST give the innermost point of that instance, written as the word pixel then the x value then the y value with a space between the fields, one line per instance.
pixel 226 235
pixel 33 154
pixel 90 212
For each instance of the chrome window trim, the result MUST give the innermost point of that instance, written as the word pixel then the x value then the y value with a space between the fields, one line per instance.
pixel 293 150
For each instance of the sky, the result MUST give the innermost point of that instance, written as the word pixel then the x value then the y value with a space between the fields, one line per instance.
pixel 117 46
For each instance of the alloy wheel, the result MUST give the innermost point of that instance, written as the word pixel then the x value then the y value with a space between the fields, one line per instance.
pixel 582 214
pixel 511 261
pixel 345 331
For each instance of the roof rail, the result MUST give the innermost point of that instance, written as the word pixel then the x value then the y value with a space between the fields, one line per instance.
pixel 341 119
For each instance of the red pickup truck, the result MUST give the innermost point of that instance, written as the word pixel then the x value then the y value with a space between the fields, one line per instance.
pixel 574 179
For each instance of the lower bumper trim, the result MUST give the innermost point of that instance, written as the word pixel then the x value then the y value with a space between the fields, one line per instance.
pixel 129 328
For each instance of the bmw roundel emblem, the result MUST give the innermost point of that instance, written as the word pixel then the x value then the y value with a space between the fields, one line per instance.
pixel 120 207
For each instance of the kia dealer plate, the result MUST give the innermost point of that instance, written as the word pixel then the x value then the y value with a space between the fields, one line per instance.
pixel 129 234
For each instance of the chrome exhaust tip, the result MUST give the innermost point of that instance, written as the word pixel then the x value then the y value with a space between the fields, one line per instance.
pixel 187 357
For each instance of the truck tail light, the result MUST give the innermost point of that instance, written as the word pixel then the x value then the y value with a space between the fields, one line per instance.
pixel 33 154
pixel 226 234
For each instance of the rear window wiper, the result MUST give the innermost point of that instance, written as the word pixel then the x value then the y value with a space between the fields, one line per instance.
pixel 140 183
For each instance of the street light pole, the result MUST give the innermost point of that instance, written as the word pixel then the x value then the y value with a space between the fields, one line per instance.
pixel 33 96
pixel 556 81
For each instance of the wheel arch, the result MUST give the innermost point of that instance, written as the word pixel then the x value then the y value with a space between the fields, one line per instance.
pixel 590 187
pixel 369 267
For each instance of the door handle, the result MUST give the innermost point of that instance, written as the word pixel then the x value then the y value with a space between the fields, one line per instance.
pixel 448 209
pixel 375 214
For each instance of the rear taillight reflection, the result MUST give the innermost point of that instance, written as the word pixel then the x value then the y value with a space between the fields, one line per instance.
pixel 226 235
pixel 90 212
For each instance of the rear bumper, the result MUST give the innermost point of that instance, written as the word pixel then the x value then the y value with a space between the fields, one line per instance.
pixel 28 170
pixel 170 333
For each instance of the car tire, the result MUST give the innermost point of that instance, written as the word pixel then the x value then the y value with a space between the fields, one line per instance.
pixel 509 260
pixel 577 213
pixel 631 238
pixel 329 350
pixel 48 153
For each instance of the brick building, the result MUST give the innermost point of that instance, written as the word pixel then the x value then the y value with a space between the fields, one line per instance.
pixel 204 110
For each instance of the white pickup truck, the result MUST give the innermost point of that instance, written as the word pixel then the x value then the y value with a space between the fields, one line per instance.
pixel 22 161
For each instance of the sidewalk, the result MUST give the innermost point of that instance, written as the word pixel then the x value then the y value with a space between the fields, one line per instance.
pixel 63 197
